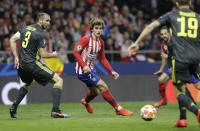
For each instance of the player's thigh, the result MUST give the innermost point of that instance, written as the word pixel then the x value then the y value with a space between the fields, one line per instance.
pixel 42 73
pixel 26 76
pixel 102 86
pixel 163 78
pixel 180 73
pixel 90 79
pixel 195 70
pixel 179 89
pixel 57 80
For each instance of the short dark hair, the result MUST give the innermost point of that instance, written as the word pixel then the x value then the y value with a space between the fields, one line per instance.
pixel 183 2
pixel 164 27
pixel 40 16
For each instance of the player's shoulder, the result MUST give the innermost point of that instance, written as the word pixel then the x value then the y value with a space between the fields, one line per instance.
pixel 85 39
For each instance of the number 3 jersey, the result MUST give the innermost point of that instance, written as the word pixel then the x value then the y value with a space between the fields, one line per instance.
pixel 31 39
pixel 86 52
pixel 185 26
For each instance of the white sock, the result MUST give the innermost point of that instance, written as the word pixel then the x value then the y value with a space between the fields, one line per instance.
pixel 119 108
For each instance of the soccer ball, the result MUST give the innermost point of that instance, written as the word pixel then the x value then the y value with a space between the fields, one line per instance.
pixel 148 112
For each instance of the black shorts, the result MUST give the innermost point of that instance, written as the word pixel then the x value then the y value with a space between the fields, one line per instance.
pixel 35 71
pixel 182 72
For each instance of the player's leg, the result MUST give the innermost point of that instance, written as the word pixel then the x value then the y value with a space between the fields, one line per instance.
pixel 43 75
pixel 102 86
pixel 196 72
pixel 181 75
pixel 27 78
pixel 89 97
pixel 90 80
pixel 162 79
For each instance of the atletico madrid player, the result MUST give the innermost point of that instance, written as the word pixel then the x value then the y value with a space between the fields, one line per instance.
pixel 86 52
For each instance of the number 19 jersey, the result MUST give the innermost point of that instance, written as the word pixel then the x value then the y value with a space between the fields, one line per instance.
pixel 185 26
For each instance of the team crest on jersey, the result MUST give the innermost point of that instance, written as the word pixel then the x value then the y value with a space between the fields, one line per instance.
pixel 93 79
pixel 78 48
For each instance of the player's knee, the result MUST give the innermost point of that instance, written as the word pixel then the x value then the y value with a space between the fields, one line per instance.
pixel 103 87
pixel 59 82
pixel 197 85
pixel 162 79
pixel 29 86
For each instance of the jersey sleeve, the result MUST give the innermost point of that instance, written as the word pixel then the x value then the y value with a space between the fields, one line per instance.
pixel 41 41
pixel 164 20
pixel 79 48
pixel 103 59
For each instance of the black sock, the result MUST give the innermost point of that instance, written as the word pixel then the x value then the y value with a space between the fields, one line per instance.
pixel 56 99
pixel 187 92
pixel 182 111
pixel 21 93
pixel 185 101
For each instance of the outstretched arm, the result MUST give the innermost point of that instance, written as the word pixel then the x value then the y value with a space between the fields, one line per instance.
pixel 147 30
pixel 13 47
pixel 45 54
pixel 105 63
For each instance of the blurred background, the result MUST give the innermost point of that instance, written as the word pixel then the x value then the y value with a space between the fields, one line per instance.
pixel 125 19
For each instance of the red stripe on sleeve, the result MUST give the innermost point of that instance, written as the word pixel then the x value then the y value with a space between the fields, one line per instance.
pixel 103 59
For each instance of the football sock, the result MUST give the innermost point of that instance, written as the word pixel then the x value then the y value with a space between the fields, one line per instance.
pixel 110 99
pixel 56 98
pixel 161 87
pixel 185 101
pixel 22 92
pixel 182 111
pixel 89 97
pixel 187 92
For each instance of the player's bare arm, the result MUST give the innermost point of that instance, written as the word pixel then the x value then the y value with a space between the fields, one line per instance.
pixel 163 64
pixel 13 41
pixel 147 30
pixel 45 54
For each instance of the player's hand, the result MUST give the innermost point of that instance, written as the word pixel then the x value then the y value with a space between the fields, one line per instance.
pixel 158 73
pixel 86 69
pixel 133 49
pixel 16 62
pixel 170 70
pixel 115 75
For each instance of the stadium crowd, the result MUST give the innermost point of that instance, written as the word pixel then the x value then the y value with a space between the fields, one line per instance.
pixel 124 19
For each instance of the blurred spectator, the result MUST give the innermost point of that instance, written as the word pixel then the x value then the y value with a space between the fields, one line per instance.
pixel 109 46
pixel 70 21
pixel 3 29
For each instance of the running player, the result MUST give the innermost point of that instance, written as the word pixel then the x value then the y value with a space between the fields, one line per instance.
pixel 185 26
pixel 29 67
pixel 86 52
pixel 166 53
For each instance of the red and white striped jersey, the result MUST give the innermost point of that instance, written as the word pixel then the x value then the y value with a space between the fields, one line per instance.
pixel 164 48
pixel 86 52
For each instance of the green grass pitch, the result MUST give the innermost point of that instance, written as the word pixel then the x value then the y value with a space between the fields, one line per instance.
pixel 36 117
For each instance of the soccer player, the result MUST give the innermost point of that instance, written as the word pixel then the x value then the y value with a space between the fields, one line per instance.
pixel 86 52
pixel 29 67
pixel 165 74
pixel 185 26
